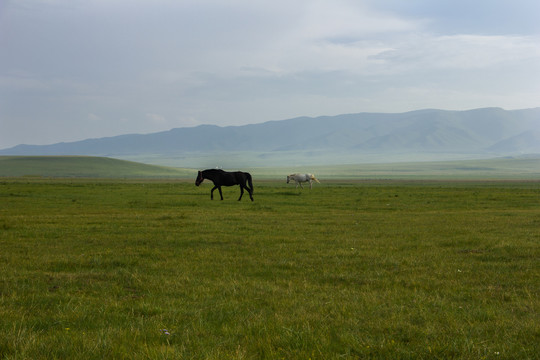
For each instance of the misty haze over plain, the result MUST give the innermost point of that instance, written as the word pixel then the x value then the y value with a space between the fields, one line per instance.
pixel 421 135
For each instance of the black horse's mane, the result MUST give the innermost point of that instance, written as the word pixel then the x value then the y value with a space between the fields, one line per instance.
pixel 212 171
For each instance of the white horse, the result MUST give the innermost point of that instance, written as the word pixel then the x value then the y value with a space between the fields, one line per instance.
pixel 300 178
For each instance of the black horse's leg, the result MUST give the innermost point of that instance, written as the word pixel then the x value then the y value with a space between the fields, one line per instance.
pixel 250 193
pixel 220 194
pixel 241 192
pixel 212 192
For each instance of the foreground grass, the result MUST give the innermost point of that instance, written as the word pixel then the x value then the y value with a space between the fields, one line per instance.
pixel 142 270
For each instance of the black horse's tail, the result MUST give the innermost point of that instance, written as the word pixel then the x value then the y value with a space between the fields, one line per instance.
pixel 248 176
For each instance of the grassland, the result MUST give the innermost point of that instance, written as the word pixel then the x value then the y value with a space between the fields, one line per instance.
pixel 349 270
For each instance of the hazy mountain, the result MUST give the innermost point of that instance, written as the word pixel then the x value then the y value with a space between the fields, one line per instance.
pixel 527 142
pixel 343 138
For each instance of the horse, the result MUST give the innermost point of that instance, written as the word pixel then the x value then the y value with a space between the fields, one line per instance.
pixel 225 178
pixel 300 178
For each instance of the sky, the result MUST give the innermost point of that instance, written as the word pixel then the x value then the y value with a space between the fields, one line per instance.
pixel 77 69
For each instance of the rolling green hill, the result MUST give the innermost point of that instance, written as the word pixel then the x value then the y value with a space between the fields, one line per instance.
pixel 84 166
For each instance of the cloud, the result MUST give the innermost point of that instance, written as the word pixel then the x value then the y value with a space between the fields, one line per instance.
pixel 348 20
pixel 156 118
pixel 459 52
pixel 19 80
pixel 140 66
pixel 93 117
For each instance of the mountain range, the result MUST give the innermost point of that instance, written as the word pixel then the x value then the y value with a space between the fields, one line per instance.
pixel 363 137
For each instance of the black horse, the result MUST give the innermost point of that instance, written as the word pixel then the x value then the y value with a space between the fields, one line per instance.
pixel 224 178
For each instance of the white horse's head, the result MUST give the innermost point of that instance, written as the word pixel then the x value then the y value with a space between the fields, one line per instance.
pixel 291 177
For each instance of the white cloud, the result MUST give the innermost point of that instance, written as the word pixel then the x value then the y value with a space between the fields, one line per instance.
pixel 93 117
pixel 156 118
pixel 459 52
pixel 148 66
pixel 347 20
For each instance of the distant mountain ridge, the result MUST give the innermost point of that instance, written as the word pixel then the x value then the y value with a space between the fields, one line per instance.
pixel 480 131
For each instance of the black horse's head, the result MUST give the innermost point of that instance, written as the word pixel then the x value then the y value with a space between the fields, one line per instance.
pixel 199 179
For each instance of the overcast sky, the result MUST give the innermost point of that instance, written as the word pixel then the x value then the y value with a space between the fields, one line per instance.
pixel 77 69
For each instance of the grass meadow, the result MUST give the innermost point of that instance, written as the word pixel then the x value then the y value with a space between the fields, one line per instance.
pixel 133 269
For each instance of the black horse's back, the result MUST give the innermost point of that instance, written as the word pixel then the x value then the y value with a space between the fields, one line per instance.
pixel 231 178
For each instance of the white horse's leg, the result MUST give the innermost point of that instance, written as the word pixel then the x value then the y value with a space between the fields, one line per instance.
pixel 310 184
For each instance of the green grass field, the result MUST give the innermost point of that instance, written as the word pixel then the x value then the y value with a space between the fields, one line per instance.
pixel 349 270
